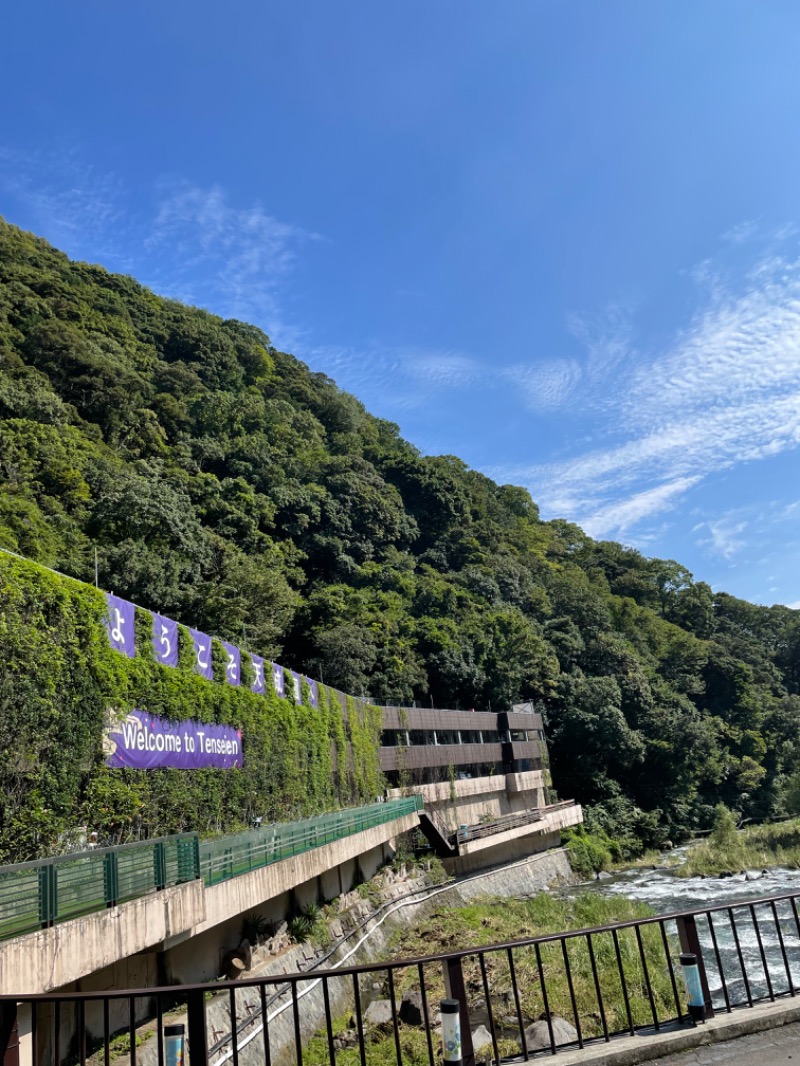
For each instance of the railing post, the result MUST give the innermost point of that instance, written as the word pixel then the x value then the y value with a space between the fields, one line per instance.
pixel 198 1036
pixel 27 1048
pixel 690 942
pixel 110 878
pixel 455 989
pixel 159 865
pixel 45 897
pixel 9 1034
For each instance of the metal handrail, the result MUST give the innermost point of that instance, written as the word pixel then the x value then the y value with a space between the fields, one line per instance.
pixel 509 821
pixel 43 892
pixel 232 856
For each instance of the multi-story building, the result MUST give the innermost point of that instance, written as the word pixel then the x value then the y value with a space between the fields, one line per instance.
pixel 485 779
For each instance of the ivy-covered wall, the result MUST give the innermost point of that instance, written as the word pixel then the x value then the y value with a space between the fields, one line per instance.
pixel 58 678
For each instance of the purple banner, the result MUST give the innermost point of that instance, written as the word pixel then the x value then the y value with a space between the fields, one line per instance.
pixel 202 654
pixel 165 640
pixel 233 664
pixel 314 695
pixel 144 742
pixel 298 691
pixel 120 625
pixel 259 681
pixel 278 680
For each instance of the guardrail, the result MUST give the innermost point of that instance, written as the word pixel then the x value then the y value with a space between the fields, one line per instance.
pixel 36 895
pixel 605 981
pixel 235 855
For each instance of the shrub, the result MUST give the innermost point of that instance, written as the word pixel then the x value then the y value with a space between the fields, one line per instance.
pixel 588 853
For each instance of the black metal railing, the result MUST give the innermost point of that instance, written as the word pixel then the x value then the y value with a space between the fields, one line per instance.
pixel 602 981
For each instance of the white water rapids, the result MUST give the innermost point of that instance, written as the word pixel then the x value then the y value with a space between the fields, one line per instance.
pixel 668 894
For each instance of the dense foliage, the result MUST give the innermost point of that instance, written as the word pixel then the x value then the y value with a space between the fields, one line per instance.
pixel 60 679
pixel 225 484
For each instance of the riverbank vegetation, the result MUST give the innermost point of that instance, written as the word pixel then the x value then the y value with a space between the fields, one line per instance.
pixel 223 483
pixel 729 850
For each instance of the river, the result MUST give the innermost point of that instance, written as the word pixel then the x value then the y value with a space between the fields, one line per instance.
pixel 668 894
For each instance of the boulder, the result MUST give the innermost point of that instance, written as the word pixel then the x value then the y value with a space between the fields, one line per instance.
pixel 481 1038
pixel 537 1036
pixel 233 966
pixel 346 1039
pixel 245 953
pixel 378 1013
pixel 411 1008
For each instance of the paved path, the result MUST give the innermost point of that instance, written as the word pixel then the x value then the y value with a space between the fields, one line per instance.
pixel 765 1035
pixel 774 1047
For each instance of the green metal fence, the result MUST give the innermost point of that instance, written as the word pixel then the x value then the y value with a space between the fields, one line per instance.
pixel 234 855
pixel 35 895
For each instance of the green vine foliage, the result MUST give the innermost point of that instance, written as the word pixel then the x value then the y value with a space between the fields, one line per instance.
pixel 60 678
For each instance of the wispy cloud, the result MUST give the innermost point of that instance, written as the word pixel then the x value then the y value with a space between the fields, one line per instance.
pixel 606 339
pixel 546 386
pixel 76 205
pixel 623 515
pixel 725 391
pixel 741 231
pixel 235 259
pixel 723 534
pixel 399 379
pixel 184 240
pixel 732 533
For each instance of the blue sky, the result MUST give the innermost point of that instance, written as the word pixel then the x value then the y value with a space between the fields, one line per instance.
pixel 560 240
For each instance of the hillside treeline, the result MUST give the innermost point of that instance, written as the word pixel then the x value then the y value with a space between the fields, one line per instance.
pixel 225 484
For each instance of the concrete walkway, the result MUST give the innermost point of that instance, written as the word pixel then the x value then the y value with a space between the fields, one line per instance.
pixel 766 1035
pixel 774 1047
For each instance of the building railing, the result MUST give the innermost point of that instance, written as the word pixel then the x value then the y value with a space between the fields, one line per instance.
pixel 466 833
pixel 606 981
pixel 231 856
pixel 36 895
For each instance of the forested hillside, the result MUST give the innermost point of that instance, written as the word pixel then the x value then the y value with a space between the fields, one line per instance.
pixel 224 483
